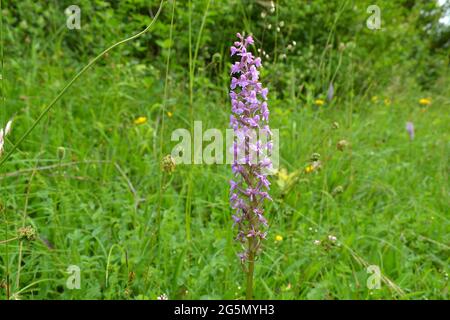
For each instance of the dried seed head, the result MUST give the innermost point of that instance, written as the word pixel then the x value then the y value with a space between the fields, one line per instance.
pixel 342 144
pixel 127 292
pixel 27 233
pixel 131 276
pixel 168 164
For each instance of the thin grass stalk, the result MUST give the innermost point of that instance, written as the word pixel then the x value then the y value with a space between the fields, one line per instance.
pixel 74 79
pixel 2 104
pixel 192 63
pixel 24 217
pixel 161 132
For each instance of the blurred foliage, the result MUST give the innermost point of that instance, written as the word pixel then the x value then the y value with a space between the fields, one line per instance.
pixel 302 40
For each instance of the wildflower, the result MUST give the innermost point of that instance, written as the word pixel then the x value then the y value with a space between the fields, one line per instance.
pixel 425 101
pixel 374 99
pixel 278 29
pixel 335 125
pixel 342 144
pixel 263 14
pixel 387 102
pixel 269 26
pixel 332 238
pixel 272 6
pixel 168 164
pixel 319 102
pixel 410 129
pixel 294 43
pixel 27 233
pixel 316 242
pixel 278 238
pixel 3 134
pixel 169 114
pixel 250 186
pixel 315 165
pixel 163 297
pixel 140 120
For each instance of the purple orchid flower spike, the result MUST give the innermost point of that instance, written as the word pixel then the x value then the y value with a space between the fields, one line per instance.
pixel 250 187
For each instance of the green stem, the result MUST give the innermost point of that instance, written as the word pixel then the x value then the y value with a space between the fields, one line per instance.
pixel 8 240
pixel 251 270
pixel 71 82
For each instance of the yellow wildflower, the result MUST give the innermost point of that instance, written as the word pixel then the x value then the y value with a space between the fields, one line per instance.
pixel 140 120
pixel 387 102
pixel 374 99
pixel 283 174
pixel 309 169
pixel 425 101
pixel 278 238
pixel 169 114
pixel 319 102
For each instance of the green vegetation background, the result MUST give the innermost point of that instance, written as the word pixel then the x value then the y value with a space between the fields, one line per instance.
pixel 95 205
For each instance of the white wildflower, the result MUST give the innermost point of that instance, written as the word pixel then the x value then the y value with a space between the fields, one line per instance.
pixel 8 127
pixel 3 134
pixel 163 297
pixel 272 7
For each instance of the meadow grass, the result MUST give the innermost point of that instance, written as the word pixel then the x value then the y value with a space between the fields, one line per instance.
pixel 96 207
pixel 103 204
